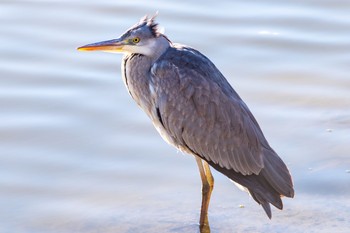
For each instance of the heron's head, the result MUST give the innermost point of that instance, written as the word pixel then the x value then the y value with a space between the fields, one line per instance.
pixel 143 38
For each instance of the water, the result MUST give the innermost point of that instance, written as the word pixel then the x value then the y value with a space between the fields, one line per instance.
pixel 77 155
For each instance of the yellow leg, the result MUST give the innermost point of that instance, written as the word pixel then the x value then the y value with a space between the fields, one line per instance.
pixel 207 188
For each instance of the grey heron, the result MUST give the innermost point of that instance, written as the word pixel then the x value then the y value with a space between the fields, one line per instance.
pixel 195 109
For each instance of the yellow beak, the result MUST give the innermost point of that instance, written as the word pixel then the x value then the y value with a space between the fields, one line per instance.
pixel 112 46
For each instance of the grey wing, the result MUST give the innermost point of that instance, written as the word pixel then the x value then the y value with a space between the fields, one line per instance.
pixel 202 114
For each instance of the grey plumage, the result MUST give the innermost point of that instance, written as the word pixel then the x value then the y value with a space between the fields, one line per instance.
pixel 195 109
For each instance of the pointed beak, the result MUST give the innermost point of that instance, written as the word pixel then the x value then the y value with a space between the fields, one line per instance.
pixel 112 46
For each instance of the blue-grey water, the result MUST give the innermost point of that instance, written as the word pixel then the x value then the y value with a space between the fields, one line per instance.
pixel 77 155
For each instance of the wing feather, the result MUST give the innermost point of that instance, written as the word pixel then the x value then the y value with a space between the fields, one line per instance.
pixel 202 112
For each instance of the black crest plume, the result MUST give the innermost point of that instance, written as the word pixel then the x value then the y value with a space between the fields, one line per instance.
pixel 150 22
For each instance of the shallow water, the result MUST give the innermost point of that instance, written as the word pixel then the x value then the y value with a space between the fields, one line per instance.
pixel 77 155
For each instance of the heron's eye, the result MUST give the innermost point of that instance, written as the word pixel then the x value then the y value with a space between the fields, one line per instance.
pixel 136 40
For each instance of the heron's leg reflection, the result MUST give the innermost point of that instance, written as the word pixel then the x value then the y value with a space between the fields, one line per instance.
pixel 207 188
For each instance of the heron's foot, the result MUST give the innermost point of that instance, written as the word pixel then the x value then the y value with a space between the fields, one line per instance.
pixel 204 228
pixel 204 223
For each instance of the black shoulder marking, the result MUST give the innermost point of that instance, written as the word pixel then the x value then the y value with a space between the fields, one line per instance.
pixel 126 78
pixel 160 117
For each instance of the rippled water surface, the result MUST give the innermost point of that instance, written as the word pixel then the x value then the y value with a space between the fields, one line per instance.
pixel 77 155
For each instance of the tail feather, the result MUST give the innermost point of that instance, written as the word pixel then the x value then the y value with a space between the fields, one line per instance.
pixel 263 203
pixel 273 182
pixel 262 191
pixel 267 209
pixel 277 174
